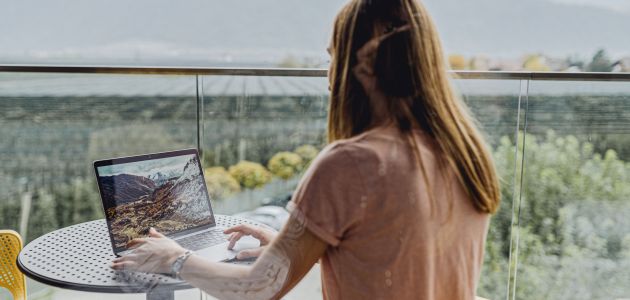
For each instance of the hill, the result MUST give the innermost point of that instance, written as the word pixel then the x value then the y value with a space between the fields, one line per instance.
pixel 263 32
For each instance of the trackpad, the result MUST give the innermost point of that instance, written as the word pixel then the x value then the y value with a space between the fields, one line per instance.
pixel 221 253
pixel 246 242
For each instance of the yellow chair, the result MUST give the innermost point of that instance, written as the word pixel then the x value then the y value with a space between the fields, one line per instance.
pixel 10 276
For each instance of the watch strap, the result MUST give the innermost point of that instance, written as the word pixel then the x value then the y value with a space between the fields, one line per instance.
pixel 178 264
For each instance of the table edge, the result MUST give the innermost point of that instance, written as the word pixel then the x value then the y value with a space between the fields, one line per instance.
pixel 105 289
pixel 97 288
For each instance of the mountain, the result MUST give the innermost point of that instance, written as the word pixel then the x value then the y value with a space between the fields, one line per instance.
pixel 159 178
pixel 254 32
pixel 517 27
pixel 124 188
pixel 187 194
pixel 179 203
pixel 191 171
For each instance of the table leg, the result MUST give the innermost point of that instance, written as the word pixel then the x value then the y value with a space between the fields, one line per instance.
pixel 161 294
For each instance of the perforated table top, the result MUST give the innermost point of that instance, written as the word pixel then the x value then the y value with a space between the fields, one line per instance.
pixel 78 257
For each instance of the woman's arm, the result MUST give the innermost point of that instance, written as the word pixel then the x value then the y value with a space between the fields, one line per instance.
pixel 281 266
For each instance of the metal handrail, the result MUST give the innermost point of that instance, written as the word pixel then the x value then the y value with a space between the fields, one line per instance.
pixel 153 70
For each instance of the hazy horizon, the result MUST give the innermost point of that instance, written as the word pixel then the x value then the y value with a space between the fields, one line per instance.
pixel 254 32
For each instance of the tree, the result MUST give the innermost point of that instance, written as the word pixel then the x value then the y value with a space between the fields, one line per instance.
pixel 535 63
pixel 600 63
pixel 572 221
pixel 457 62
pixel 291 61
pixel 77 201
pixel 42 218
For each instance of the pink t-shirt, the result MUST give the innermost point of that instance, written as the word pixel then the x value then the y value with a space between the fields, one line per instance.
pixel 387 240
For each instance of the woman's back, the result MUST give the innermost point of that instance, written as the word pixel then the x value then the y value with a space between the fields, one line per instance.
pixel 398 205
pixel 388 238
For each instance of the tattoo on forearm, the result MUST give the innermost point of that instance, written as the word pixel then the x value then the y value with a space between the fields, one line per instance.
pixel 266 278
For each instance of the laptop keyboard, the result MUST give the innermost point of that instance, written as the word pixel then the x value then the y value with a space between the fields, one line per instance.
pixel 203 240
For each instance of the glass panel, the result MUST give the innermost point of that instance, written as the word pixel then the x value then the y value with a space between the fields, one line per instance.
pixel 495 104
pixel 575 230
pixel 258 136
pixel 54 125
pixel 247 121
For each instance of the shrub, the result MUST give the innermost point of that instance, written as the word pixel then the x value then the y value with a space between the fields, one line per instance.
pixel 285 164
pixel 573 228
pixel 220 183
pixel 307 153
pixel 250 175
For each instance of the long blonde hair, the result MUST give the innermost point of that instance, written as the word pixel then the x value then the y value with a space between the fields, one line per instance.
pixel 410 69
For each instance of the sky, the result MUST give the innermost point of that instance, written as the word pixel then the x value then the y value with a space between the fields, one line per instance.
pixel 264 32
pixel 146 168
pixel 613 5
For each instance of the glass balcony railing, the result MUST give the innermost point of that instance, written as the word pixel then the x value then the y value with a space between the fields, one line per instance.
pixel 561 143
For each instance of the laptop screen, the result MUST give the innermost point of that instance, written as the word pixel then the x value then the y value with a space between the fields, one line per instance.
pixel 166 191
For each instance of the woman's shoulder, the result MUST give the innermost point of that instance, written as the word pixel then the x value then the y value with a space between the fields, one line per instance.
pixel 381 147
pixel 355 148
pixel 346 157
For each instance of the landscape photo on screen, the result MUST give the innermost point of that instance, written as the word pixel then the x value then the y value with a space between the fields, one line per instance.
pixel 167 194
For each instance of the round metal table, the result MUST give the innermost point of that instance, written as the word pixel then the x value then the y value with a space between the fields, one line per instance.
pixel 78 257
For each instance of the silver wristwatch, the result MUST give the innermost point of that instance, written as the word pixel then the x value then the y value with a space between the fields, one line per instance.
pixel 177 265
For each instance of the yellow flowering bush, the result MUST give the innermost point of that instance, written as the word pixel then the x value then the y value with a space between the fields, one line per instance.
pixel 285 164
pixel 307 153
pixel 250 175
pixel 220 183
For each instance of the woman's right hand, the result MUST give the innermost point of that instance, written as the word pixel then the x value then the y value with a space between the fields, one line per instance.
pixel 264 235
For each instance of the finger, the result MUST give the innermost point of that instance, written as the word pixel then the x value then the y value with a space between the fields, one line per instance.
pixel 369 49
pixel 233 239
pixel 371 46
pixel 140 257
pixel 246 229
pixel 120 259
pixel 150 265
pixel 249 253
pixel 128 257
pixel 364 70
pixel 397 30
pixel 136 243
pixel 125 265
pixel 243 228
pixel 154 233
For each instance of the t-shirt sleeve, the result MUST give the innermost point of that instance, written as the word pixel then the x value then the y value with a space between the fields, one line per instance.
pixel 331 197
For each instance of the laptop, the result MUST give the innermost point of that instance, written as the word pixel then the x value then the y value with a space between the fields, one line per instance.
pixel 166 191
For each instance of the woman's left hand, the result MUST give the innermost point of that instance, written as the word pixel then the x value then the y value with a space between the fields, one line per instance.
pixel 153 254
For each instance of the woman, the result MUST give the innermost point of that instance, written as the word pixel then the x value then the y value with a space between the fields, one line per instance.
pixel 397 205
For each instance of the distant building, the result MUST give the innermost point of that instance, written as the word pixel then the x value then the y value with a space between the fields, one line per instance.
pixel 506 65
pixel 479 63
pixel 572 69
pixel 556 64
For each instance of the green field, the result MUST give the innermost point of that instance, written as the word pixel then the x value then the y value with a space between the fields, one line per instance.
pixel 571 187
